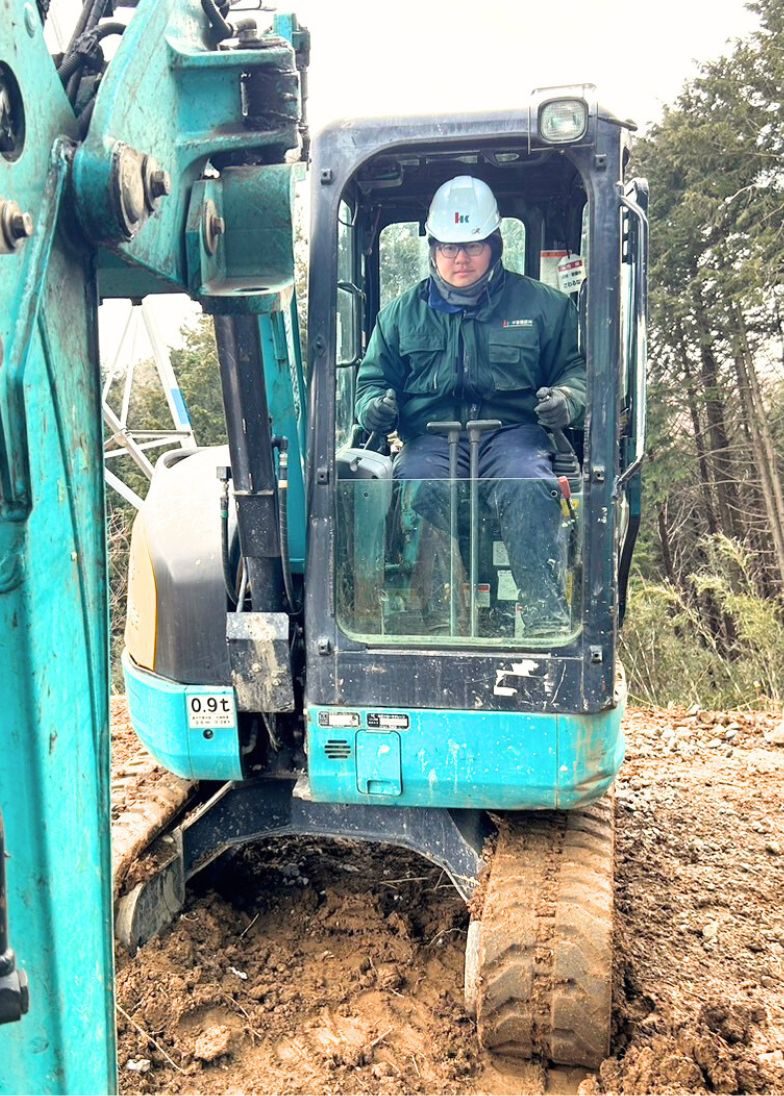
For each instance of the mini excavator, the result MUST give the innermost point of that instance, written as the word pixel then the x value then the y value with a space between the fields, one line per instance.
pixel 277 654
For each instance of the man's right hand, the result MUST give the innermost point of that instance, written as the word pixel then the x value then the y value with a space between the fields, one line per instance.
pixel 381 413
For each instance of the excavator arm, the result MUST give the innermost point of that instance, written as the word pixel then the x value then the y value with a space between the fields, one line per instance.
pixel 160 171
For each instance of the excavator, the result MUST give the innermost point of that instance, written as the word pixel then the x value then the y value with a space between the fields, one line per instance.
pixel 278 660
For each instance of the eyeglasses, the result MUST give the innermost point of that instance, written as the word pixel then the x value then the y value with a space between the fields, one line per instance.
pixel 449 251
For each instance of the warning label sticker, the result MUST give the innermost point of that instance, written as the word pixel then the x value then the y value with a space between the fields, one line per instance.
pixel 388 721
pixel 338 719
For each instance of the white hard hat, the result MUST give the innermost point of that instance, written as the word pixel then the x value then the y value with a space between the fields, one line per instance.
pixel 463 209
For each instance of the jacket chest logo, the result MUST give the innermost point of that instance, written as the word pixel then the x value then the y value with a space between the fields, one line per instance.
pixel 517 323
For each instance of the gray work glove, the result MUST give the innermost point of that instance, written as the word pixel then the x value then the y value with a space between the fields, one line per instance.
pixel 554 409
pixel 381 413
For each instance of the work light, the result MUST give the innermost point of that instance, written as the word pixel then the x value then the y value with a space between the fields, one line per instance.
pixel 563 120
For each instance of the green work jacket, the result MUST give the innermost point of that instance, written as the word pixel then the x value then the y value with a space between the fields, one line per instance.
pixel 483 363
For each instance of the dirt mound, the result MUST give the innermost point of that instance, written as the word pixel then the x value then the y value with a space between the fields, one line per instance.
pixel 312 966
pixel 322 973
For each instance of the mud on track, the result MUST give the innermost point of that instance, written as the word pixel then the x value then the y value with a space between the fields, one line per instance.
pixel 325 967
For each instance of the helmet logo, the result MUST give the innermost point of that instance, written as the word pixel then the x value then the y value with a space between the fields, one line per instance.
pixel 461 218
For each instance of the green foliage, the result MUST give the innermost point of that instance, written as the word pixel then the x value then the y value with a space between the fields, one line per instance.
pixel 667 653
pixel 197 370
pixel 403 260
pixel 119 520
pixel 670 649
pixel 705 614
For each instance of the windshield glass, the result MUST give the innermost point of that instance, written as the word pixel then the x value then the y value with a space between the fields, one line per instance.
pixel 487 562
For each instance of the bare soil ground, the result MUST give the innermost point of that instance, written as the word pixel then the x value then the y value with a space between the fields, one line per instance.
pixel 327 967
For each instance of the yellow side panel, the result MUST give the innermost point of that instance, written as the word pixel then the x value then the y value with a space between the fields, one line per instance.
pixel 141 623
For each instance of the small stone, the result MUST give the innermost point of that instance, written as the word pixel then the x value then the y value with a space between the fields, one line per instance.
pixel 389 977
pixel 588 1087
pixel 213 1043
pixel 711 930
pixel 382 1069
pixel 730 734
pixel 714 742
pixel 776 736
pixel 772 1058
pixel 138 1065
pixel 773 847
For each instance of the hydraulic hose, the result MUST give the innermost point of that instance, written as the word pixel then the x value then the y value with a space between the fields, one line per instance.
pixel 283 520
pixel 86 48
pixel 219 25
pixel 223 476
pixel 87 16
pixel 91 14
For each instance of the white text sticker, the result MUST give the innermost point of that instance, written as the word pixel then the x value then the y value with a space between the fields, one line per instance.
pixel 211 710
pixel 507 587
pixel 571 274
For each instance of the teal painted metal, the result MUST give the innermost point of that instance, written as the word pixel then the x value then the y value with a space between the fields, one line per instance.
pixel 199 746
pixel 252 257
pixel 486 760
pixel 283 395
pixel 54 780
pixel 301 398
pixel 169 95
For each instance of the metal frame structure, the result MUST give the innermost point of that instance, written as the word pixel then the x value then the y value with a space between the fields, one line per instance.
pixel 122 440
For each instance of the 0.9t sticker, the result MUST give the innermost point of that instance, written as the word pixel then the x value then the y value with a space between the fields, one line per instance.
pixel 211 710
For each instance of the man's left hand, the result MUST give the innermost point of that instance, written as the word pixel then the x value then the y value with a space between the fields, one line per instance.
pixel 554 409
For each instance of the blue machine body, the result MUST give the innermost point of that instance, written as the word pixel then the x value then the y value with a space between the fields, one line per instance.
pixel 54 777
pixel 410 758
pixel 481 760
pixel 190 729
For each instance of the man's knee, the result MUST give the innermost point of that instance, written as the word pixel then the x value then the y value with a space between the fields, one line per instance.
pixel 514 452
pixel 424 458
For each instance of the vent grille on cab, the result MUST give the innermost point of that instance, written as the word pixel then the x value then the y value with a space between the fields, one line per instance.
pixel 337 749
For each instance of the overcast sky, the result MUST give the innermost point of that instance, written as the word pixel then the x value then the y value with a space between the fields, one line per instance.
pixel 453 55
pixel 408 55
pixel 429 55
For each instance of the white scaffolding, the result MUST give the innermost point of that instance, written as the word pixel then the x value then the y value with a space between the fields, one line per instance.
pixel 121 439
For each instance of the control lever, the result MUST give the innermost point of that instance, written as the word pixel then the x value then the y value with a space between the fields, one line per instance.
pixel 451 431
pixel 475 428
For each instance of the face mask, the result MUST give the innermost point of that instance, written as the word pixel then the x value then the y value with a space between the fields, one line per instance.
pixel 467 296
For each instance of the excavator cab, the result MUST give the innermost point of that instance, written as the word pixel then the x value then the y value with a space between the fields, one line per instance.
pixel 475 670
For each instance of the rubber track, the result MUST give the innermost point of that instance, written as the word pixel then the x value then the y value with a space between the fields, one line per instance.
pixel 545 951
pixel 145 798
